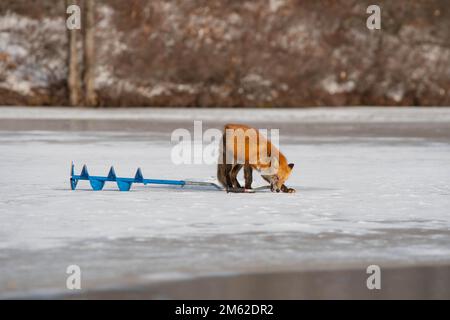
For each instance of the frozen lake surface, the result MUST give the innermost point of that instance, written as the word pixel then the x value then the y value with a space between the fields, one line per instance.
pixel 359 201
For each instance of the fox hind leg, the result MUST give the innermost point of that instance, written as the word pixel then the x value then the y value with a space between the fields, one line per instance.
pixel 224 169
pixel 228 175
pixel 248 175
pixel 233 176
pixel 223 175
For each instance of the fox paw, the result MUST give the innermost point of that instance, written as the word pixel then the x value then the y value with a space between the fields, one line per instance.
pixel 236 190
pixel 287 190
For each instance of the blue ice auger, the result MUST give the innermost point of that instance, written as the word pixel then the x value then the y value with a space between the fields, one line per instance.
pixel 124 184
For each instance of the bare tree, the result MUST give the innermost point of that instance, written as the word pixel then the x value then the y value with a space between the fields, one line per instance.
pixel 74 76
pixel 89 53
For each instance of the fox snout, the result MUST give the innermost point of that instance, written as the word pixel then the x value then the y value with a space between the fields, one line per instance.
pixel 275 184
pixel 274 187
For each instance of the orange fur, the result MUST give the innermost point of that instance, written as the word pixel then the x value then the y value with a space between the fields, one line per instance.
pixel 246 149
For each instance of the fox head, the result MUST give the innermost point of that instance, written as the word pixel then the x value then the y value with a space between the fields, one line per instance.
pixel 276 180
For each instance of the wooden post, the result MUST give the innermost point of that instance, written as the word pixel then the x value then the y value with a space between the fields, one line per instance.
pixel 73 63
pixel 89 53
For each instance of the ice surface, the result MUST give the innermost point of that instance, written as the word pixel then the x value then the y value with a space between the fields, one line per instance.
pixel 358 201
pixel 277 115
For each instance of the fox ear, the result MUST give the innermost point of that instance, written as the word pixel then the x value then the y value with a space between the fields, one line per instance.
pixel 291 165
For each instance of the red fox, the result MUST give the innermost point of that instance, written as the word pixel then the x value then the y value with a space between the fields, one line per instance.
pixel 243 146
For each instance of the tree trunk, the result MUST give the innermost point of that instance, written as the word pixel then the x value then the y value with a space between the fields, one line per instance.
pixel 74 77
pixel 89 53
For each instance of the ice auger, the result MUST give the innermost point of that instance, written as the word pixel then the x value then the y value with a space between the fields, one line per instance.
pixel 124 184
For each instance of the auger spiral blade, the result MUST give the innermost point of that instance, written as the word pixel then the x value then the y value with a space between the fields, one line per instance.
pixel 84 173
pixel 139 177
pixel 124 184
pixel 112 174
pixel 73 181
pixel 96 185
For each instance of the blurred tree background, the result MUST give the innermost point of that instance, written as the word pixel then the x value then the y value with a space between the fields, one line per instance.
pixel 227 53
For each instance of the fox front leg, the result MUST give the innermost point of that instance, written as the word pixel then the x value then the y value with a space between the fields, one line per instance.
pixel 286 189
